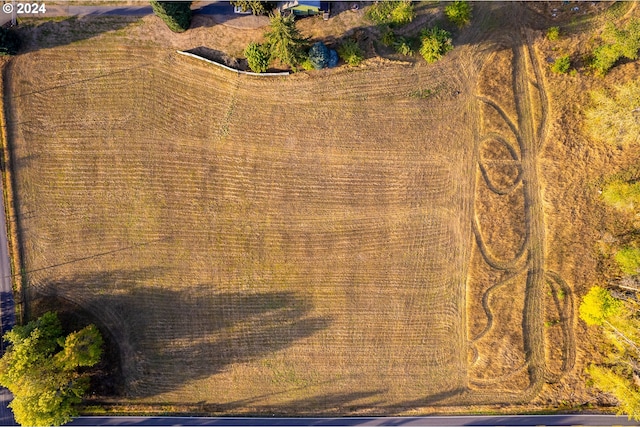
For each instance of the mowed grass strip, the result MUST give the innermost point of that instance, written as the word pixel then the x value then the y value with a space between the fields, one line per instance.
pixel 257 244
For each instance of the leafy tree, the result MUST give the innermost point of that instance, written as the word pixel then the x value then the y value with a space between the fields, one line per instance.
pixel 40 368
pixel 628 259
pixel 435 43
pixel 257 57
pixel 620 386
pixel 624 196
pixel 256 7
pixel 391 12
pixel 615 117
pixel 561 65
pixel 553 33
pixel 9 42
pixel 176 14
pixel 351 53
pixel 598 306
pixel 458 12
pixel 319 55
pixel 284 40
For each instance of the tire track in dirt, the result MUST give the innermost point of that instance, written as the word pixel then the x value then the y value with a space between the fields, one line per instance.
pixel 530 131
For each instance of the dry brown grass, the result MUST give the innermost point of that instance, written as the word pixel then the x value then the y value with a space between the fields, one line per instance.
pixel 306 245
pixel 256 244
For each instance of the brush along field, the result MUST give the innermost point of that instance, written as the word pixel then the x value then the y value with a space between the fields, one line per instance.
pixel 370 240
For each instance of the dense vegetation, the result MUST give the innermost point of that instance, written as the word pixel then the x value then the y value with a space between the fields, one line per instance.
pixel 176 14
pixel 284 40
pixel 350 52
pixel 41 368
pixel 619 43
pixel 458 12
pixel 392 13
pixel 613 120
pixel 257 57
pixel 9 42
pixel 435 43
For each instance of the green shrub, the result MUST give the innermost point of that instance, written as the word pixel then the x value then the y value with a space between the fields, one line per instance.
pixel 561 65
pixel 257 57
pixel 604 58
pixel 628 259
pixel 619 43
pixel 319 55
pixel 9 42
pixel 391 12
pixel 598 306
pixel 176 14
pixel 458 12
pixel 553 33
pixel 351 53
pixel 622 195
pixel 307 65
pixel 435 43
pixel 403 46
pixel 388 37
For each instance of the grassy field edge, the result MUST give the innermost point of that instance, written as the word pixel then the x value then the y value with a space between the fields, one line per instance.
pixel 6 165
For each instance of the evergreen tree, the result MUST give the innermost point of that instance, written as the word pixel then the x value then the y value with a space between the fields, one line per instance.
pixel 176 14
pixel 284 40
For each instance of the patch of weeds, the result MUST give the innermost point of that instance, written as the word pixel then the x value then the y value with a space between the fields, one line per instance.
pixel 561 294
pixel 553 33
pixel 550 323
pixel 561 65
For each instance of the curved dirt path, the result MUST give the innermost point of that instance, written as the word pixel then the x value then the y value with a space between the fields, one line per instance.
pixel 531 130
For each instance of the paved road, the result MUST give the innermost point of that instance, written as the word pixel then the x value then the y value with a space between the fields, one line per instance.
pixel 206 8
pixel 508 420
pixel 7 307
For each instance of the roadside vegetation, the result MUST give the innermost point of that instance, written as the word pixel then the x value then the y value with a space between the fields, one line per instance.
pixel 46 370
pixel 614 310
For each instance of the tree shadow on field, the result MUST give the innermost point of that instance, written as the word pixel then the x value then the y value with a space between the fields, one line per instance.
pixel 36 35
pixel 168 337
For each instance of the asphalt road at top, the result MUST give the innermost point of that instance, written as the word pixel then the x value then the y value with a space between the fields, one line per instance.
pixel 7 308
pixel 507 420
pixel 213 8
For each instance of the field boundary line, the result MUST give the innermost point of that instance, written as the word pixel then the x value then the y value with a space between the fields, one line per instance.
pixel 249 73
pixel 8 195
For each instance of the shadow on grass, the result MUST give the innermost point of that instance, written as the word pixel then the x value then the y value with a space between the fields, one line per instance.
pixel 43 33
pixel 167 338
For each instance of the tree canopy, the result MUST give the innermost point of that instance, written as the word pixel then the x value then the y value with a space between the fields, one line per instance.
pixel 284 40
pixel 40 368
pixel 176 14
pixel 9 41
